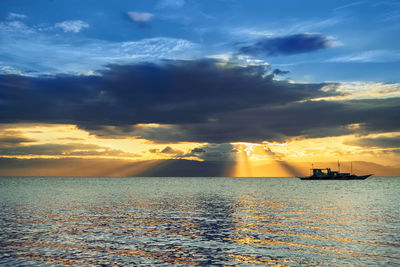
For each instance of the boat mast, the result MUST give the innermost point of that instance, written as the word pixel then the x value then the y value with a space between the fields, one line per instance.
pixel 351 167
pixel 312 168
pixel 338 165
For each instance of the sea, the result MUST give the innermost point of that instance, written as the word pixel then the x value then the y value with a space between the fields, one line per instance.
pixel 103 221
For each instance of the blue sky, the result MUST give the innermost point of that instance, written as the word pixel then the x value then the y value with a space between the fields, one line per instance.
pixel 82 37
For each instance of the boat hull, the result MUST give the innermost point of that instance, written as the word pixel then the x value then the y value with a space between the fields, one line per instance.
pixel 350 177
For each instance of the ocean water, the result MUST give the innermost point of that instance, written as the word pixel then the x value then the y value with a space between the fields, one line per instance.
pixel 199 221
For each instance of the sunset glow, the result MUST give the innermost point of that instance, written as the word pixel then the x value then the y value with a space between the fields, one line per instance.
pixel 57 141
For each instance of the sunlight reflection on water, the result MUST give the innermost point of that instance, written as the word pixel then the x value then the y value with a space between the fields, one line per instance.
pixel 223 221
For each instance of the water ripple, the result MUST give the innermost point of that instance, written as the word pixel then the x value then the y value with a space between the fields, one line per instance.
pixel 188 221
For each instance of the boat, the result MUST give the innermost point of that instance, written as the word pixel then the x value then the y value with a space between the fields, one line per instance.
pixel 328 174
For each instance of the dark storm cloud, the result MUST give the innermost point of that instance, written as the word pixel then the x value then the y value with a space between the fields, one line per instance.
pixel 193 100
pixel 278 122
pixel 310 119
pixel 288 45
pixel 174 92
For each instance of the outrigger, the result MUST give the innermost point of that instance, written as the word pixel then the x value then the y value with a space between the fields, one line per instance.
pixel 328 174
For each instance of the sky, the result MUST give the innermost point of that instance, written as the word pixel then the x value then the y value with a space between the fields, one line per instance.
pixel 198 88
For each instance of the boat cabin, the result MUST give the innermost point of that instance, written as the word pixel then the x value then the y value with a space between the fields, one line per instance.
pixel 327 172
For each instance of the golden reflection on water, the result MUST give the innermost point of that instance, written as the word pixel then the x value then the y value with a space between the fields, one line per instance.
pixel 252 222
pixel 259 260
pixel 248 220
pixel 187 229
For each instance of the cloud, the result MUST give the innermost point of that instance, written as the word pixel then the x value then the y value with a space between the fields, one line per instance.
pixel 140 17
pixel 172 92
pixel 15 26
pixel 197 150
pixel 213 152
pixel 285 27
pixel 13 140
pixel 42 149
pixel 167 150
pixel 62 150
pixel 280 72
pixel 379 56
pixel 363 90
pixel 15 16
pixel 193 100
pixel 281 122
pixel 170 150
pixel 37 49
pixel 288 45
pixel 33 54
pixel 350 5
pixel 74 26
pixel 377 142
